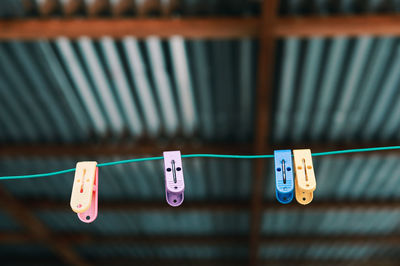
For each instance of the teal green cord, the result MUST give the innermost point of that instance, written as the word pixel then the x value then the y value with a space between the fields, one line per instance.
pixel 202 156
pixel 227 156
pixel 357 150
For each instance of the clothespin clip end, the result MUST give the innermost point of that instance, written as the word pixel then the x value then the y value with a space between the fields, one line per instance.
pixel 84 196
pixel 305 183
pixel 284 176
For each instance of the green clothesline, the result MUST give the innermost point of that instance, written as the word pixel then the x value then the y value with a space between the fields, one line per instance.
pixel 198 156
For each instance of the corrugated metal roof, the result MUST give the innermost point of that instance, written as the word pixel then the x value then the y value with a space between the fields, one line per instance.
pixel 157 251
pixel 31 8
pixel 179 88
pixel 327 7
pixel 337 90
pixel 85 90
pixel 326 252
pixel 166 222
pixel 21 8
pixel 334 222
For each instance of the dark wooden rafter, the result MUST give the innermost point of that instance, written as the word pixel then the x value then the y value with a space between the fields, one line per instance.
pixel 213 262
pixel 264 93
pixel 37 230
pixel 193 28
pixel 357 25
pixel 200 240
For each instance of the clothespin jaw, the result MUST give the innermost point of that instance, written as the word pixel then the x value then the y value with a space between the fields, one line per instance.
pixel 84 196
pixel 174 182
pixel 305 183
pixel 284 176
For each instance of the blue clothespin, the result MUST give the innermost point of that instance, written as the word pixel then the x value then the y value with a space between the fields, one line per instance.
pixel 284 176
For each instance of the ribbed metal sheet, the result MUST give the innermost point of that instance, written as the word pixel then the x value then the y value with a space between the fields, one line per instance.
pixel 166 222
pixel 73 91
pixel 157 251
pixel 16 8
pixel 337 90
pixel 334 222
pixel 327 7
pixel 13 8
pixel 327 252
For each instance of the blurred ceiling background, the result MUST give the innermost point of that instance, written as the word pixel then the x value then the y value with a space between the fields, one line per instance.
pixel 108 80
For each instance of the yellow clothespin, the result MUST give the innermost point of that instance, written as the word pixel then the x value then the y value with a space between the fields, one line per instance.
pixel 305 183
pixel 84 197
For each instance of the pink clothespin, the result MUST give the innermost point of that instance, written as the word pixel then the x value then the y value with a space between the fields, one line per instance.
pixel 84 196
pixel 174 183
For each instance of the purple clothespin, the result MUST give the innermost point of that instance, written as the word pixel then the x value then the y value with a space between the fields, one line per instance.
pixel 174 183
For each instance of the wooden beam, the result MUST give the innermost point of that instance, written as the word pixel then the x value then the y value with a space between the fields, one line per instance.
pixel 125 149
pixel 193 28
pixel 200 240
pixel 15 238
pixel 208 28
pixel 25 260
pixel 330 26
pixel 21 213
pixel 264 93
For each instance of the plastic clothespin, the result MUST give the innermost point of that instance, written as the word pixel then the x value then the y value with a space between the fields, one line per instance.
pixel 305 183
pixel 174 183
pixel 84 196
pixel 284 176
